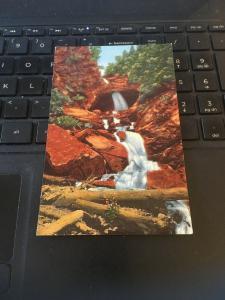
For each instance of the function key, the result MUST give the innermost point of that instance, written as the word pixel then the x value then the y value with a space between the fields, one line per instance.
pixel 104 29
pixel 217 27
pixel 81 30
pixel 173 28
pixel 195 28
pixel 13 31
pixel 34 31
pixel 186 104
pixel 151 29
pixel 209 103
pixel 202 61
pixel 213 128
pixel 58 31
pixel 126 29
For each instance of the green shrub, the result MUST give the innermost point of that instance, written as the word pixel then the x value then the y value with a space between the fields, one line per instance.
pixel 68 122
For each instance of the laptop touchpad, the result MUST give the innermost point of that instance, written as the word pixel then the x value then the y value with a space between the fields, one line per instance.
pixel 9 197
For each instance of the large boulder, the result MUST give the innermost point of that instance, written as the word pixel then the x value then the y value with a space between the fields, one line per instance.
pixel 67 156
pixel 106 145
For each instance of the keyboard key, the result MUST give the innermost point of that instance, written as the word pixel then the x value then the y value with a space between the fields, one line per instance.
pixel 199 41
pixel 31 86
pixel 177 40
pixel 121 40
pixel 206 81
pixel 40 108
pixel 92 41
pixel 41 134
pixel 8 86
pixel 15 108
pixel 17 46
pixel 189 128
pixel 41 46
pixel 126 29
pixel 217 27
pixel 28 65
pixel 6 65
pixel 47 65
pixel 152 39
pixel 151 29
pixel 209 103
pixel 186 104
pixel 34 31
pixel 104 29
pixel 2 44
pixel 173 28
pixel 196 28
pixel 202 61
pixel 81 30
pixel 13 31
pixel 184 82
pixel 220 59
pixel 213 128
pixel 218 41
pixel 58 31
pixel 16 132
pixel 65 41
pixel 180 62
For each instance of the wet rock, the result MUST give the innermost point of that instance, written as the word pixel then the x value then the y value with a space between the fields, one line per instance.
pixel 105 183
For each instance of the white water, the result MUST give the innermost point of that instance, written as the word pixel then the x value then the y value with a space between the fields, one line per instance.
pixel 119 101
pixel 105 123
pixel 181 207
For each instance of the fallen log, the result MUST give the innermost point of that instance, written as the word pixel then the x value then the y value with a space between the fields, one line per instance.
pixel 85 228
pixel 126 214
pixel 61 223
pixel 51 212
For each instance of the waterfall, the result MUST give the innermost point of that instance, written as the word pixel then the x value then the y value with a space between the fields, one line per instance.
pixel 181 208
pixel 119 101
pixel 134 176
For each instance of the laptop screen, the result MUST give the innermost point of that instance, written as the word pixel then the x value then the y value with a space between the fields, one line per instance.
pixel 179 9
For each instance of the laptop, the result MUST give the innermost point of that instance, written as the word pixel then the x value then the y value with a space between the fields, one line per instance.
pixel 112 267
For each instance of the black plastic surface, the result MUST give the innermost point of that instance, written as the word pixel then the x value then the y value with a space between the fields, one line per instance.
pixel 9 198
pixel 4 278
pixel 139 267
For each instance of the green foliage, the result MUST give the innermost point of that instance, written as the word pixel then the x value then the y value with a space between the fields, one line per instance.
pixel 149 65
pixel 68 122
pixel 79 97
pixel 95 52
pixel 57 102
pixel 112 211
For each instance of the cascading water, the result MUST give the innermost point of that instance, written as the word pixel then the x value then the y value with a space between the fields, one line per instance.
pixel 119 101
pixel 134 176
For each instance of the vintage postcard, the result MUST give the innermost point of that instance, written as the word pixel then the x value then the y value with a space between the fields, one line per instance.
pixel 114 156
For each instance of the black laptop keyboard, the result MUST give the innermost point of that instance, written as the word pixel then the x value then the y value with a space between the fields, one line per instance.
pixel 26 56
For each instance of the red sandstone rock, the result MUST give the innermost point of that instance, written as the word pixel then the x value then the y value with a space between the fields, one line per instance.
pixel 83 115
pixel 121 135
pixel 67 156
pixel 106 183
pixel 105 144
pixel 165 178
